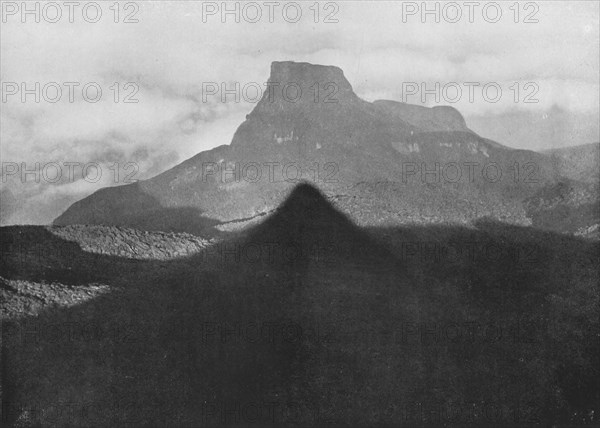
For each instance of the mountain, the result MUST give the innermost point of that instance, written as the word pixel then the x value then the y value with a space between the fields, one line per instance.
pixel 304 319
pixel 572 203
pixel 381 163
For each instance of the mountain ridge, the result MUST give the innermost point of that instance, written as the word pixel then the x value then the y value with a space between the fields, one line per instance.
pixel 334 139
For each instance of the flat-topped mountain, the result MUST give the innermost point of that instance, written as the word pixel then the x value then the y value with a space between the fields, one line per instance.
pixel 381 163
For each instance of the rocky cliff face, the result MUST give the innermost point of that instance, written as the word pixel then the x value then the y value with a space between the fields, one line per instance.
pixel 312 106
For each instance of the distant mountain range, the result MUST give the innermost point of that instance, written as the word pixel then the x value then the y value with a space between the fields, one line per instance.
pixel 381 163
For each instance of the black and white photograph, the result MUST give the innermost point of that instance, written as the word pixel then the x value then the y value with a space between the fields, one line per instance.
pixel 352 213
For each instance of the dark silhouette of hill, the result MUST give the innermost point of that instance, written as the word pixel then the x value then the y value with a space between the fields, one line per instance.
pixel 489 325
pixel 337 141
pixel 149 214
pixel 309 229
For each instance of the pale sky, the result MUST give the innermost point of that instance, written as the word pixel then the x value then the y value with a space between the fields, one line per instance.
pixel 171 52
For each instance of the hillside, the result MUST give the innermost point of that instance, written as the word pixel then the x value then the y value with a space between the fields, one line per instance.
pixel 571 204
pixel 343 145
pixel 306 319
pixel 581 163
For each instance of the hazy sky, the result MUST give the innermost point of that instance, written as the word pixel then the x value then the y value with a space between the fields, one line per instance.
pixel 168 54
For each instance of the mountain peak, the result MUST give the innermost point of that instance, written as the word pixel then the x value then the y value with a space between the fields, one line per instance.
pixel 306 208
pixel 299 107
pixel 305 197
pixel 309 224
pixel 295 69
pixel 306 75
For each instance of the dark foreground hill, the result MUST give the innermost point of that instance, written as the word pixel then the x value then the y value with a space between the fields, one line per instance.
pixel 493 325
